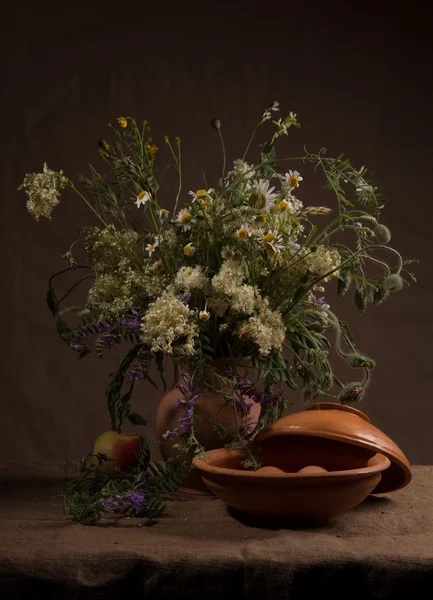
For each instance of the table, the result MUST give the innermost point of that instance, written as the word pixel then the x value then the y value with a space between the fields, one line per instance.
pixel 382 549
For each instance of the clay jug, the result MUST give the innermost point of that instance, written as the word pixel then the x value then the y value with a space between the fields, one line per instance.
pixel 207 408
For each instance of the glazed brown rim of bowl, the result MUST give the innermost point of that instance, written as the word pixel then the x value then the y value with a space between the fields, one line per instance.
pixel 381 463
pixel 342 407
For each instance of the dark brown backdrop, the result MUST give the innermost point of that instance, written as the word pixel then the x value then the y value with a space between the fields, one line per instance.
pixel 359 78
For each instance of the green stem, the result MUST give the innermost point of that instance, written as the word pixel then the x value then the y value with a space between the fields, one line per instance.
pixel 65 271
pixel 71 288
pixel 223 150
pixel 71 185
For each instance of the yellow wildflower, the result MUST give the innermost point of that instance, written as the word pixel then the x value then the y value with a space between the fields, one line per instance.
pixel 122 122
pixel 152 149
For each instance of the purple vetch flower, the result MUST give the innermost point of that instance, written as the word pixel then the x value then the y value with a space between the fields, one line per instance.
pixel 90 454
pixel 141 365
pixel 131 501
pixel 186 299
pixel 170 435
pixel 245 388
pixel 80 348
pixel 107 340
pixel 188 390
pixel 108 330
pixel 133 322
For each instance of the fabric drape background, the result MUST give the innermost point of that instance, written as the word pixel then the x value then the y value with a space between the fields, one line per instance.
pixel 359 79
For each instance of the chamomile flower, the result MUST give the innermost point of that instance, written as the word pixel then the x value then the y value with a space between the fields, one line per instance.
pixel 263 196
pixel 291 179
pixel 184 219
pixel 284 206
pixel 202 195
pixel 204 315
pixel 157 267
pixel 244 232
pixel 150 248
pixel 142 198
pixel 227 253
pixel 273 241
pixel 189 249
pixel 261 218
pixel 163 213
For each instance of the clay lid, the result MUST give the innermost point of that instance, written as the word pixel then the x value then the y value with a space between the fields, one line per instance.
pixel 331 421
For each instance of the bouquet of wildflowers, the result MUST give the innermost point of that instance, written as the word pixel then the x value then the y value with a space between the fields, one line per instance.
pixel 236 271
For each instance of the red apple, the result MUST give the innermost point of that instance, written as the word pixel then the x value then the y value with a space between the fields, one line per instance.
pixel 122 448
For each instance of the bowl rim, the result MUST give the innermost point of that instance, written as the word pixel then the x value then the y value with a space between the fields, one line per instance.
pixel 381 463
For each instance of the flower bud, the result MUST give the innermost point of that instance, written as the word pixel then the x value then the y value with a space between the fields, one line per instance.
pixel 352 392
pixel 360 302
pixel 216 124
pixel 393 282
pixel 382 233
pixel 359 361
pixel 380 295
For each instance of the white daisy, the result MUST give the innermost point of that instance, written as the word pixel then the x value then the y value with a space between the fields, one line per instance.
pixel 227 253
pixel 189 249
pixel 244 232
pixel 142 198
pixel 184 219
pixel 150 248
pixel 204 315
pixel 163 213
pixel 291 179
pixel 157 266
pixel 273 241
pixel 202 195
pixel 263 196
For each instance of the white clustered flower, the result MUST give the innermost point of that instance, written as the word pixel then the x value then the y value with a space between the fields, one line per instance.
pixel 322 261
pixel 227 252
pixel 42 190
pixel 267 114
pixel 171 238
pixel 224 285
pixel 184 219
pixel 291 179
pixel 263 196
pixel 241 168
pixel 243 299
pixel 150 248
pixel 282 126
pixel 266 329
pixel 191 279
pixel 142 198
pixel 167 320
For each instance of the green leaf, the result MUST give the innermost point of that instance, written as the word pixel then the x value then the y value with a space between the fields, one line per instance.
pixel 136 419
pixel 64 331
pixel 52 301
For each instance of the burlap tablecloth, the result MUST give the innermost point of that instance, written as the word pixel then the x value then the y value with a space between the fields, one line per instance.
pixel 382 549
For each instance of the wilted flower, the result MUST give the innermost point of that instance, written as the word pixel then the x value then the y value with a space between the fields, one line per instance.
pixel 43 192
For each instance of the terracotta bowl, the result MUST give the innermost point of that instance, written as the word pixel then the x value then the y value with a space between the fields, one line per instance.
pixel 341 431
pixel 311 497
